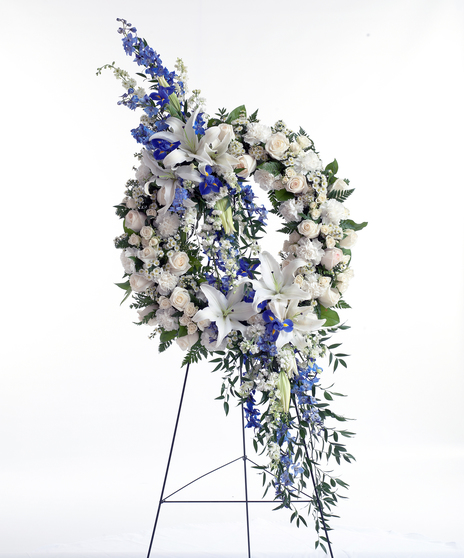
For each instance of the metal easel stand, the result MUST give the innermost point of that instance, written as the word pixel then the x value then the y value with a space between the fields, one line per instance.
pixel 166 499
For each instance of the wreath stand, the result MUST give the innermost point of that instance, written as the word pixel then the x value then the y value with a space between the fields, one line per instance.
pixel 166 499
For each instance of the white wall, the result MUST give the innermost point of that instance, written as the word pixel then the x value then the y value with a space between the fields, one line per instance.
pixel 86 403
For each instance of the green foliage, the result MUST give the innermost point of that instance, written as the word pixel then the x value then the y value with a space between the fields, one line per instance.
pixel 283 195
pixel 349 224
pixel 332 167
pixel 195 354
pixel 273 167
pixel 340 195
pixel 236 113
pixel 331 316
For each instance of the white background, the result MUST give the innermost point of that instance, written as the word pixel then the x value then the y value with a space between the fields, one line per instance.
pixel 87 405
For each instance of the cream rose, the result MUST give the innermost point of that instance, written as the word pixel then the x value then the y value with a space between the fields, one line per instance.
pixel 331 258
pixel 134 239
pixel 248 163
pixel 134 220
pixel 329 298
pixel 349 240
pixel 151 212
pixel 188 341
pixel 297 184
pixel 330 242
pixel 164 303
pixel 277 145
pixel 131 203
pixel 139 283
pixel 309 228
pixel 148 254
pixel 146 232
pixel 179 263
pixel 179 298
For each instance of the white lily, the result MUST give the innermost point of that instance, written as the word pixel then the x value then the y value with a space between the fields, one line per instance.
pixel 277 284
pixel 217 151
pixel 167 178
pixel 228 312
pixel 191 147
pixel 303 319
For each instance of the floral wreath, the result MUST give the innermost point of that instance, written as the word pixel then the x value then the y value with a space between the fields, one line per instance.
pixel 196 272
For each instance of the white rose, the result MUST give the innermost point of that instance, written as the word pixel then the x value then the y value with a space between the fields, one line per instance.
pixel 295 148
pixel 134 220
pixel 330 242
pixel 191 328
pixel 179 298
pixel 349 240
pixel 329 298
pixel 303 141
pixel 248 163
pixel 134 239
pixel 331 258
pixel 309 228
pixel 179 263
pixel 315 214
pixel 277 145
pixel 339 185
pixel 190 309
pixel 154 242
pixel 297 184
pixel 147 255
pixel 188 341
pixel 146 232
pixel 164 303
pixel 139 283
pixel 225 130
pixel 151 212
pixel 131 203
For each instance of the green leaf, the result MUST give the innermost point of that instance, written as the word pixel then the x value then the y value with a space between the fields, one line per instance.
pixel 349 224
pixel 273 167
pixel 226 407
pixel 168 335
pixel 331 317
pixel 332 167
pixel 283 195
pixel 327 396
pixel 182 331
pixel 233 115
pixel 125 286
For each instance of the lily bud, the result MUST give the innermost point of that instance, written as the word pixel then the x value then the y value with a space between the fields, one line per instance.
pixel 162 81
pixel 285 390
pixel 226 216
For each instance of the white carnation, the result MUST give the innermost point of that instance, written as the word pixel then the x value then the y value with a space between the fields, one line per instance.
pixel 166 283
pixel 307 161
pixel 168 224
pixel 257 133
pixel 332 212
pixel 166 319
pixel 310 250
pixel 290 209
pixel 128 264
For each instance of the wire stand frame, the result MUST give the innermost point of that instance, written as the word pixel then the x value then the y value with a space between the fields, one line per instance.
pixel 165 499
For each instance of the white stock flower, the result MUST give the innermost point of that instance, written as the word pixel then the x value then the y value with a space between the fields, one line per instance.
pixel 128 264
pixel 311 250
